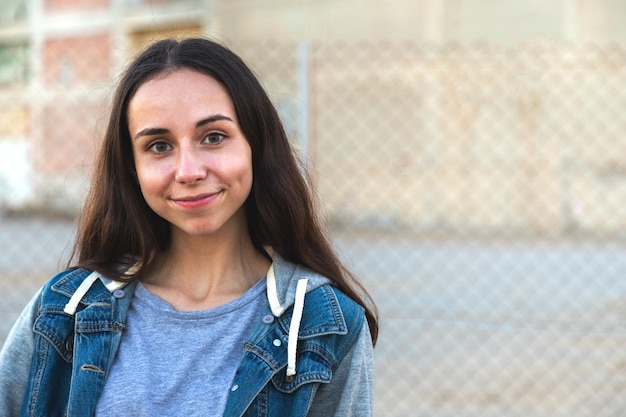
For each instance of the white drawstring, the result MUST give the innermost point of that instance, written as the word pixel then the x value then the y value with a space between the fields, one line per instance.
pixel 296 316
pixel 272 295
pixel 72 305
pixel 294 328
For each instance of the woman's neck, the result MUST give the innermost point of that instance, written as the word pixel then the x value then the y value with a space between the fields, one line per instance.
pixel 199 273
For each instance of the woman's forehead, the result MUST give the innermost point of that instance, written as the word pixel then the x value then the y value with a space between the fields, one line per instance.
pixel 181 93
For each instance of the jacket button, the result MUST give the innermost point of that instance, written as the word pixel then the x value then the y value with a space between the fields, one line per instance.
pixel 234 388
pixel 69 344
pixel 268 319
pixel 277 342
pixel 119 293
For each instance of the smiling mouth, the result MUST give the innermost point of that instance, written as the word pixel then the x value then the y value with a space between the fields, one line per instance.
pixel 197 200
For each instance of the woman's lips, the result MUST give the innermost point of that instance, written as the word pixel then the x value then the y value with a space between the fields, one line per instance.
pixel 196 201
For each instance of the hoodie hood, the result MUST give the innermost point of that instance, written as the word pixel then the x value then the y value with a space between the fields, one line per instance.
pixel 282 283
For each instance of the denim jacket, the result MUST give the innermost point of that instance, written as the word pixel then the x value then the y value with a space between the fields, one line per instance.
pixel 57 356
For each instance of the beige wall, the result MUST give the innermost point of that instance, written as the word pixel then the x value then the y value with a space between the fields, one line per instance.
pixel 445 163
pixel 441 21
pixel 494 136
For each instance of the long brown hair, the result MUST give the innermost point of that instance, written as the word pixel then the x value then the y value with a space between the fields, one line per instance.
pixel 118 227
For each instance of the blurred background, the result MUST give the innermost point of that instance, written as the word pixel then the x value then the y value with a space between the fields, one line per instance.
pixel 469 158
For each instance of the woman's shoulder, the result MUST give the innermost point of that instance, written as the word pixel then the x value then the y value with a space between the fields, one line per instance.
pixel 64 284
pixel 67 278
pixel 332 315
pixel 341 310
pixel 325 305
pixel 332 319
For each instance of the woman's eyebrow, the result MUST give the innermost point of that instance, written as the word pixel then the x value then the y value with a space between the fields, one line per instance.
pixel 151 131
pixel 212 119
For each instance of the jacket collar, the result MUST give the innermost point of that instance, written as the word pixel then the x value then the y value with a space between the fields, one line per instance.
pixel 77 284
pixel 282 281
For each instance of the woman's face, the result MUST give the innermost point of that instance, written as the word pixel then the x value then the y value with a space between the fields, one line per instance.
pixel 193 163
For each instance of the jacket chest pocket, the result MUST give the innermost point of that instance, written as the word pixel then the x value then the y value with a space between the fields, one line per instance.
pixel 58 330
pixel 311 367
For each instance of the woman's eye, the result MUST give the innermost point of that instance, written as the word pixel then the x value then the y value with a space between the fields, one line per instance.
pixel 214 138
pixel 159 147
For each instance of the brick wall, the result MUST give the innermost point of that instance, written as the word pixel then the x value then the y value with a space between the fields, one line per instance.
pixel 84 59
pixel 74 5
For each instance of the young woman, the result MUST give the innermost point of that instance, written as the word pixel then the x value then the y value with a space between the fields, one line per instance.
pixel 204 285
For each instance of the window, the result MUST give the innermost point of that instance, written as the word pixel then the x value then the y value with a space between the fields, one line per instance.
pixel 13 11
pixel 14 68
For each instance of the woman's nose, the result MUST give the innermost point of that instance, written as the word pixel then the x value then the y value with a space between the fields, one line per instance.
pixel 191 167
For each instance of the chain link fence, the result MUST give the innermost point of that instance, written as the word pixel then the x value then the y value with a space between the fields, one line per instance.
pixel 477 191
